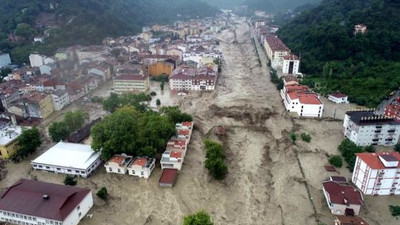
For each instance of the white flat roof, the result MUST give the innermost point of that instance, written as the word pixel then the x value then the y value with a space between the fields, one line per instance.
pixel 78 156
pixel 9 134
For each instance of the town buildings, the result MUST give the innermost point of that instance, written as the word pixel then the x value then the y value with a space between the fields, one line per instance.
pixel 291 64
pixel 168 178
pixel 33 202
pixel 276 50
pixel 68 158
pixel 5 59
pixel 365 127
pixel 193 79
pixel 130 83
pixel 118 164
pixel 338 98
pixel 37 104
pixel 141 167
pixel 300 99
pixel 8 141
pixel 393 109
pixel 172 160
pixel 377 173
pixel 342 199
pixel 60 99
pixel 36 60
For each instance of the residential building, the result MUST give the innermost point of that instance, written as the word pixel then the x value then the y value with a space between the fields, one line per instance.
pixel 177 145
pixel 291 64
pixel 60 99
pixel 141 167
pixel 377 173
pixel 172 160
pixel 276 50
pixel 37 104
pixel 160 68
pixel 300 99
pixel 393 109
pixel 360 29
pixel 36 60
pixel 8 141
pixel 338 98
pixel 131 83
pixel 5 59
pixel 365 127
pixel 190 78
pixel 350 220
pixel 118 164
pixel 68 158
pixel 290 80
pixel 342 199
pixel 33 202
pixel 168 178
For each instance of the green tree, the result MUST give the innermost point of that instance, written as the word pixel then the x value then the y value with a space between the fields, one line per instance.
pixel 111 103
pixel 215 159
pixel 305 137
pixel 349 150
pixel 102 193
pixel 397 147
pixel 395 210
pixel 158 102
pixel 200 218
pixel 25 30
pixel 59 131
pixel 369 148
pixel 153 93
pixel 27 143
pixel 293 136
pixel 70 180
pixel 75 120
pixel 336 161
pixel 175 115
pixel 162 85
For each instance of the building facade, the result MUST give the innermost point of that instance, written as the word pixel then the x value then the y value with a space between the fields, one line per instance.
pixel 342 199
pixel 5 59
pixel 38 104
pixel 338 98
pixel 130 83
pixel 301 100
pixel 193 79
pixel 60 99
pixel 291 64
pixel 377 173
pixel 118 164
pixel 276 50
pixel 172 160
pixel 32 202
pixel 8 141
pixel 141 167
pixel 365 127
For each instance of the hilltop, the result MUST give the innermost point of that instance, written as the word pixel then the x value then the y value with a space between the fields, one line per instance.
pixel 85 22
pixel 364 66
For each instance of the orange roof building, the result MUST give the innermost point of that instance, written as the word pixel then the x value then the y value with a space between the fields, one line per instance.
pixel 141 167
pixel 300 99
pixel 118 164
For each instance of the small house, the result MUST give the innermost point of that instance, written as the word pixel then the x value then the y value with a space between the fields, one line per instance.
pixel 338 98
pixel 141 167
pixel 118 164
pixel 168 178
pixel 342 199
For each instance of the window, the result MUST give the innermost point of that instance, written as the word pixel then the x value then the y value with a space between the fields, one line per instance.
pixel 79 207
pixel 80 214
pixel 110 169
pixel 47 167
pixel 69 170
pixel 133 171
pixel 119 170
pixel 58 169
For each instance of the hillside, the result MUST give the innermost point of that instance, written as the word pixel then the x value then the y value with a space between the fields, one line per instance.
pixel 224 4
pixel 277 6
pixel 86 22
pixel 364 66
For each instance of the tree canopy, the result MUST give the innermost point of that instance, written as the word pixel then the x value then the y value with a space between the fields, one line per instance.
pixel 200 218
pixel 73 121
pixel 27 143
pixel 363 66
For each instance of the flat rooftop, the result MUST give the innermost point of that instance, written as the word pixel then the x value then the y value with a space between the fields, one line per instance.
pixel 9 134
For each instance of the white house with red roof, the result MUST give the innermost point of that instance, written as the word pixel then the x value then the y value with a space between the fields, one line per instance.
pixel 141 167
pixel 118 164
pixel 177 145
pixel 377 173
pixel 338 98
pixel 172 160
pixel 33 202
pixel 342 199
pixel 300 99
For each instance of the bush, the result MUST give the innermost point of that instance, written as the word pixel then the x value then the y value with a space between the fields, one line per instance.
pixel 349 150
pixel 200 218
pixel 162 85
pixel 215 159
pixel 369 149
pixel 397 147
pixel 102 193
pixel 96 99
pixel 70 180
pixel 306 137
pixel 153 93
pixel 395 210
pixel 293 136
pixel 336 161
pixel 158 102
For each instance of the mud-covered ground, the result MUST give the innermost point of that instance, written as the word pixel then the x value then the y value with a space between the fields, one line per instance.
pixel 268 175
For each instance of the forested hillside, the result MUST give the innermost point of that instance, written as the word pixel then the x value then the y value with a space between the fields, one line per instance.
pixel 224 4
pixel 276 6
pixel 364 66
pixel 86 22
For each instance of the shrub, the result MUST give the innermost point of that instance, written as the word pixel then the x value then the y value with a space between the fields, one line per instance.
pixel 70 180
pixel 293 136
pixel 306 137
pixel 200 218
pixel 369 148
pixel 395 210
pixel 102 193
pixel 158 102
pixel 397 147
pixel 153 93
pixel 336 161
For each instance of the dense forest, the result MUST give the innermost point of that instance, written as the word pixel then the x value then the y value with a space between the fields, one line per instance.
pixel 224 4
pixel 85 22
pixel 364 66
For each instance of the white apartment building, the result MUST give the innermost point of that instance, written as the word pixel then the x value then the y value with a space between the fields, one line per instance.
pixel 172 160
pixel 5 59
pixel 130 83
pixel 36 60
pixel 300 99
pixel 291 64
pixel 192 79
pixel 377 173
pixel 365 127
pixel 68 158
pixel 141 167
pixel 276 50
pixel 33 202
pixel 60 99
pixel 118 164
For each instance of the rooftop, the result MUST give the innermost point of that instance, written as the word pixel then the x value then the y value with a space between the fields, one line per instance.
pixel 121 160
pixel 373 161
pixel 276 44
pixel 27 197
pixel 35 96
pixel 9 134
pixel 342 194
pixel 78 156
pixel 338 95
pixel 351 220
pixel 130 77
pixel 168 176
pixel 369 117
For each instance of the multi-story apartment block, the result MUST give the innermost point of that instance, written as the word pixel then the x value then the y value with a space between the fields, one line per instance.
pixel 60 99
pixel 300 99
pixel 365 127
pixel 377 173
pixel 276 50
pixel 130 83
pixel 291 64
pixel 190 78
pixel 37 104
pixel 33 202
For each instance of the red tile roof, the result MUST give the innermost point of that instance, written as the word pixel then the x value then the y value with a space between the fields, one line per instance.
pixel 140 162
pixel 276 44
pixel 342 194
pixel 183 132
pixel 187 124
pixel 177 155
pixel 297 87
pixel 338 95
pixel 26 197
pixel 373 161
pixel 35 96
pixel 290 57
pixel 309 98
pixel 118 159
pixel 168 176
